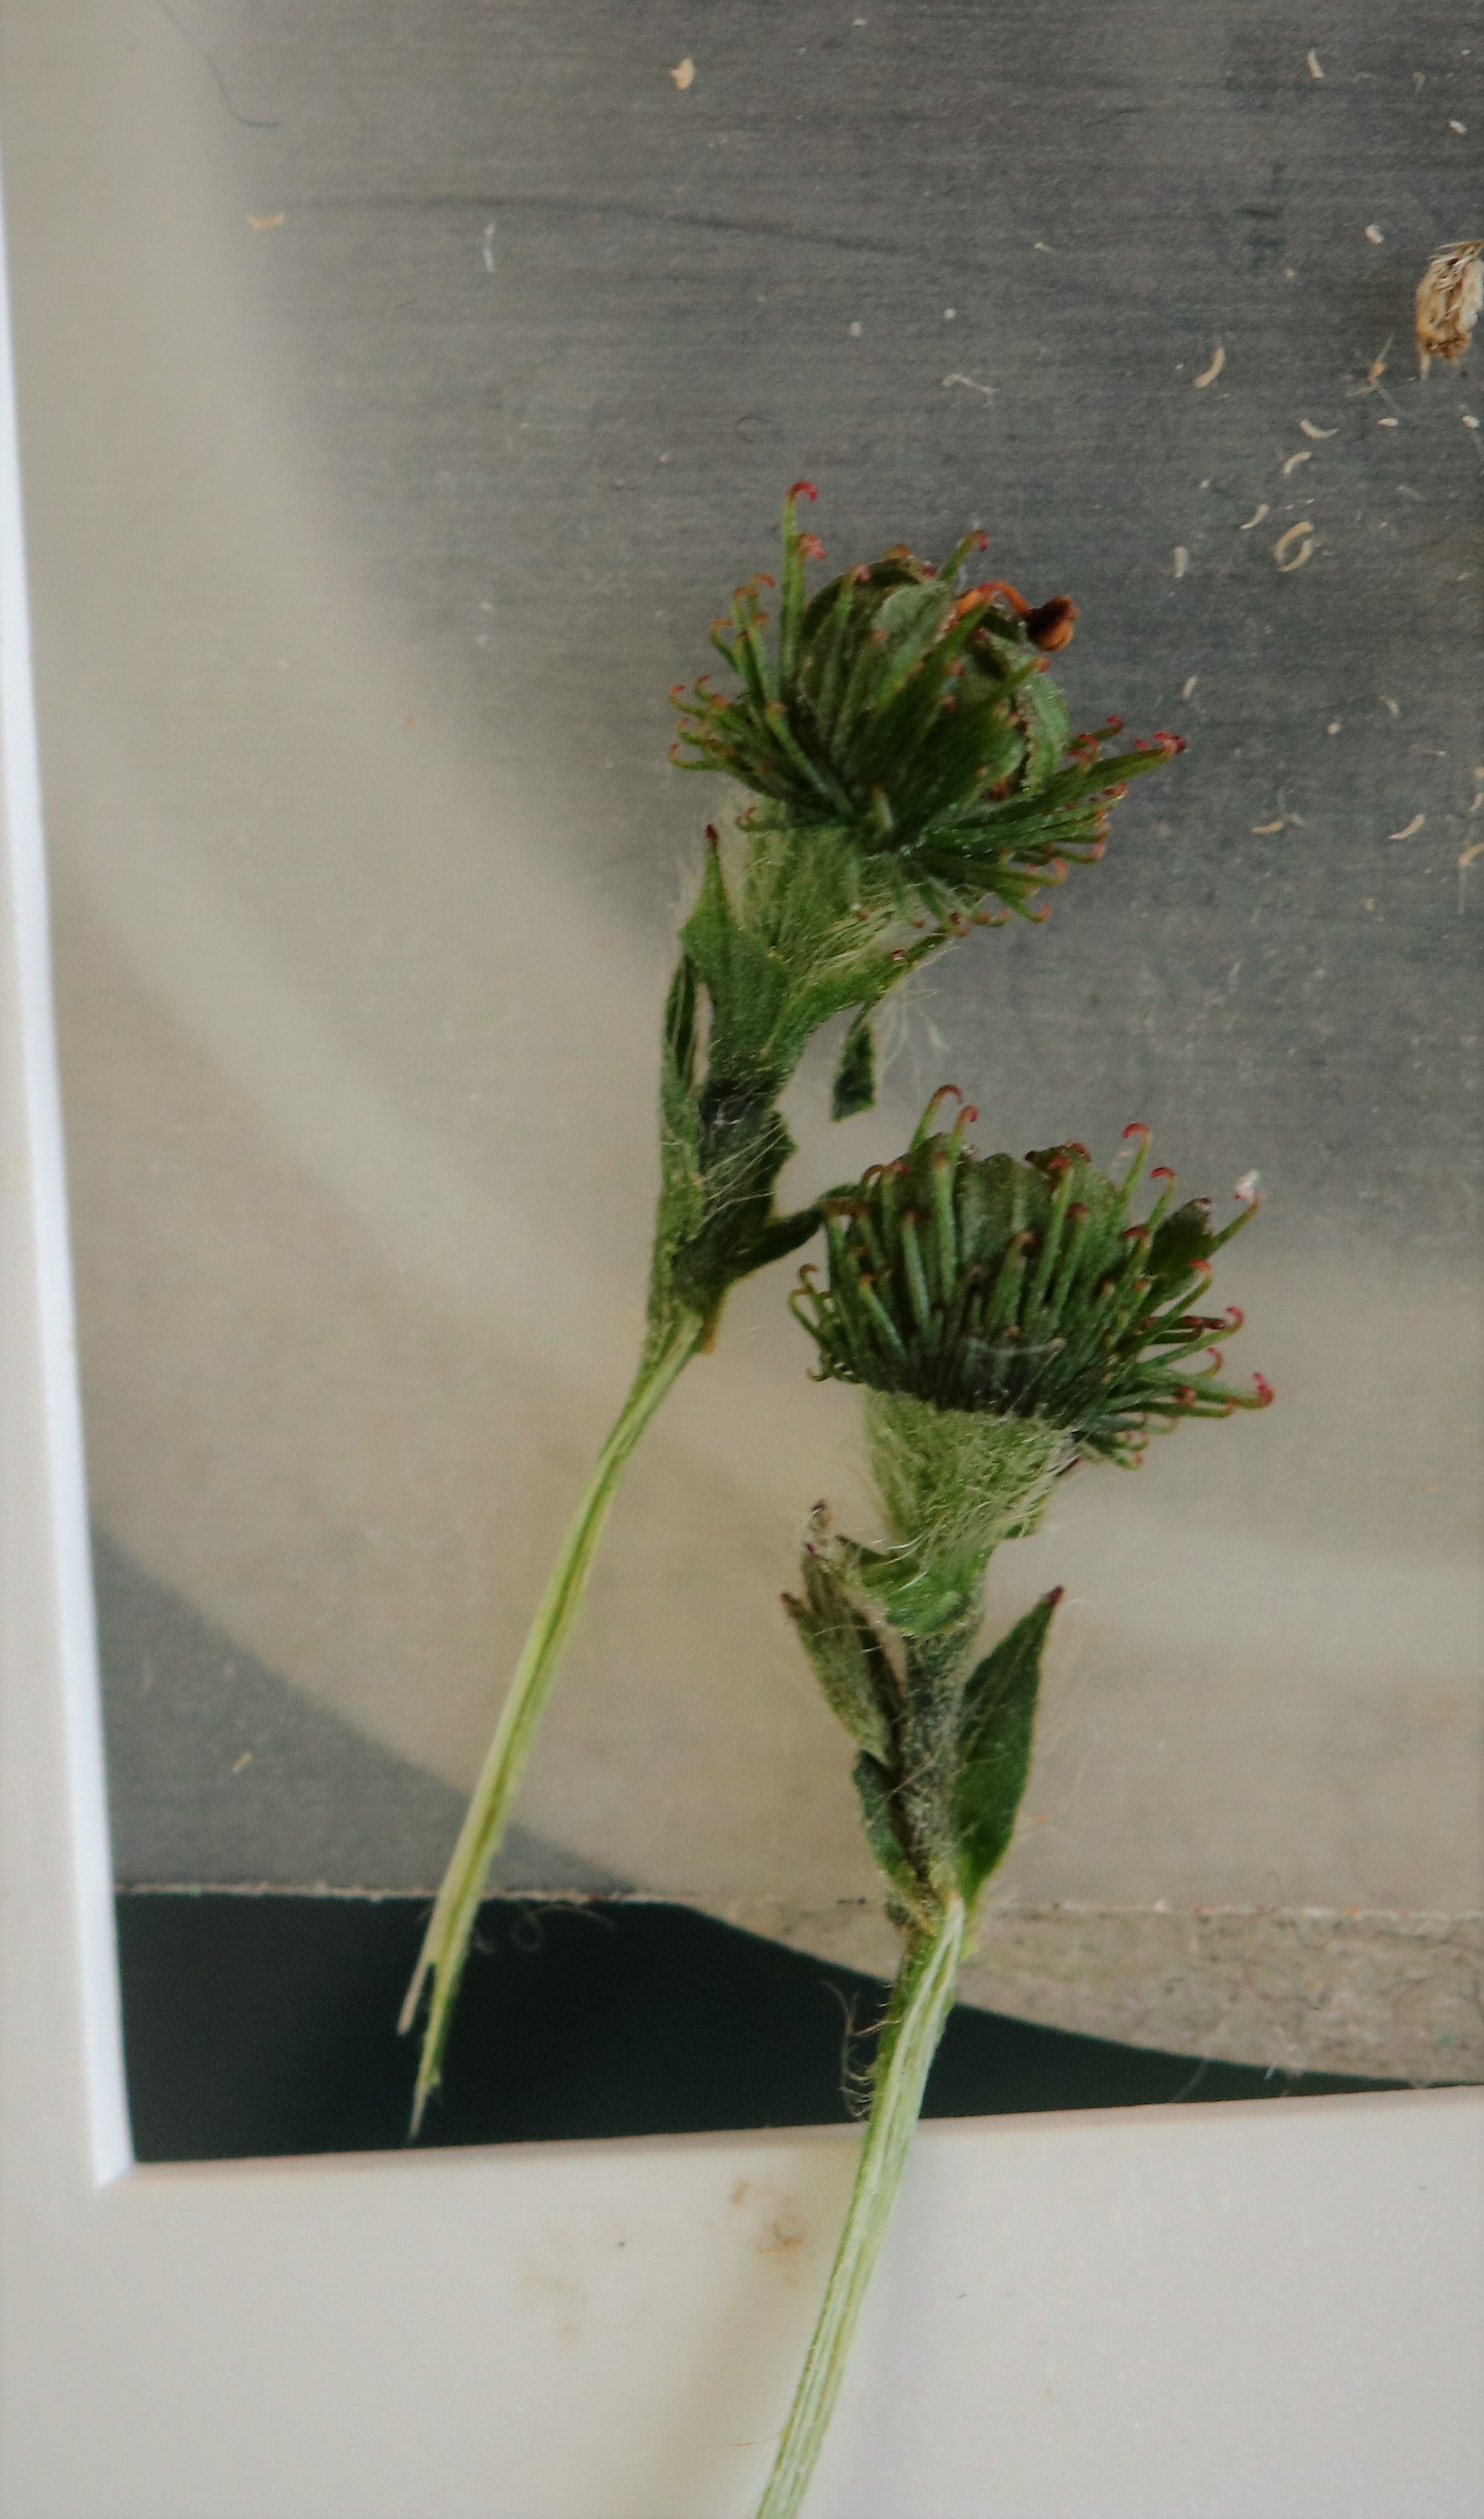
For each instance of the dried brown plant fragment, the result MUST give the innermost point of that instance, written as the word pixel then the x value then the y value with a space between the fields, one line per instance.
pixel 1448 301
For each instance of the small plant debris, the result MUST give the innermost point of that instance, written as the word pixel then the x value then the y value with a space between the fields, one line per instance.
pixel 1449 297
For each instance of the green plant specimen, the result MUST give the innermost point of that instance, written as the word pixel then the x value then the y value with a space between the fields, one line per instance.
pixel 913 773
pixel 1006 1320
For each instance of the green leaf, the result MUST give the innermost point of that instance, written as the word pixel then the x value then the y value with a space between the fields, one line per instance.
pixel 917 1595
pixel 995 1734
pixel 1182 1240
pixel 873 1787
pixel 781 1235
pixel 679 1032
pixel 996 1199
pixel 1042 712
pixel 856 1076
pixel 747 985
pixel 742 1147
pixel 682 1208
pixel 848 1662
pixel 860 983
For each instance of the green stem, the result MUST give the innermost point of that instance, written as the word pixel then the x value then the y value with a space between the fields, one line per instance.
pixel 921 2001
pixel 445 1944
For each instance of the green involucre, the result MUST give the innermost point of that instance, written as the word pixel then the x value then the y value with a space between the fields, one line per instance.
pixel 954 1484
pixel 991 1286
pixel 918 722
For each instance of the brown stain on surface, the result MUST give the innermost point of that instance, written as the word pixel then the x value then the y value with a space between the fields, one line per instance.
pixel 783 2239
pixel 782 2230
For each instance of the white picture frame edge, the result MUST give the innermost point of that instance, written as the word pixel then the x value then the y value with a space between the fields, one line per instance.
pixel 1218 2309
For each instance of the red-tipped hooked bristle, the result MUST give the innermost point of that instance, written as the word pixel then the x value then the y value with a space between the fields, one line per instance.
pixel 1266 1394
pixel 810 547
pixel 1172 742
pixel 1161 1172
pixel 804 490
pixel 1138 1129
pixel 1012 595
pixel 1235 1316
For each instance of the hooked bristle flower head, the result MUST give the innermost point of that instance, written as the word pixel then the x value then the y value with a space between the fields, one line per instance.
pixel 1029 1289
pixel 917 717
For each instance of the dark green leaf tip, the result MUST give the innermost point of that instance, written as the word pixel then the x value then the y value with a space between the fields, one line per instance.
pixel 854 1086
pixel 996 1736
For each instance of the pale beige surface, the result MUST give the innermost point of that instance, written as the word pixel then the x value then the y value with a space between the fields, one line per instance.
pixel 359 1058
pixel 1304 1990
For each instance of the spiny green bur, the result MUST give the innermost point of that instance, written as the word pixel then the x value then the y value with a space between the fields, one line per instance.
pixel 1006 1320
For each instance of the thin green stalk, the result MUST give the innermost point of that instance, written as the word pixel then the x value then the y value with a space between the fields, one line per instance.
pixel 921 2001
pixel 446 1943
